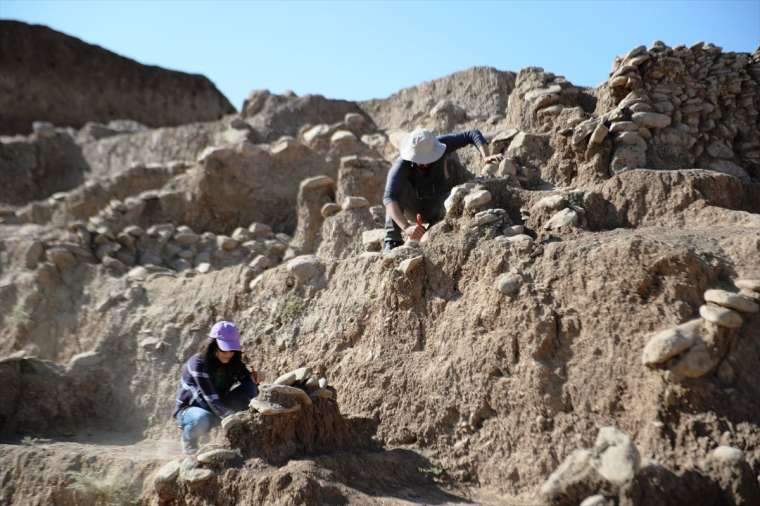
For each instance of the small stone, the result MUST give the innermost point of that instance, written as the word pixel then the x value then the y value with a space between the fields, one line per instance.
pixel 697 361
pixel 600 132
pixel 477 199
pixel 241 234
pixel 305 267
pixel 594 500
pixel 509 283
pixel 514 230
pixel 226 243
pixel 519 238
pixel 330 209
pixel 731 300
pixel 720 316
pixel 238 419
pixel 316 183
pixel 618 459
pixel 137 274
pixel 62 258
pixel 651 119
pixel 33 254
pixel 322 393
pixel 354 203
pixel 748 284
pixel 455 197
pixel 322 382
pixel 490 169
pixel 203 268
pixel 260 230
pixel 487 217
pixel 267 408
pixel 564 218
pixel 134 230
pixel 294 376
pixel 750 294
pixel 342 136
pixel 260 263
pixel 411 264
pixel 727 454
pixel 550 203
pixel 151 343
pixel 186 238
pixel 666 344
pixel 217 456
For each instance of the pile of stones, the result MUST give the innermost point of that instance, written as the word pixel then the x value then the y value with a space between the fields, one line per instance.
pixel 165 245
pixel 695 348
pixel 678 108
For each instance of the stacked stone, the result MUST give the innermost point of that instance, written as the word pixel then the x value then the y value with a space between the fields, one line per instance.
pixel 347 135
pixel 679 108
pixel 697 347
pixel 522 155
pixel 291 391
pixel 539 97
pixel 179 247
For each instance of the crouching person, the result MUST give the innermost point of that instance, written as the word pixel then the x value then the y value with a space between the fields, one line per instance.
pixel 215 383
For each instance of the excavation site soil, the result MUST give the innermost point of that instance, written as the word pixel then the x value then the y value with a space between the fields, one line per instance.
pixel 581 328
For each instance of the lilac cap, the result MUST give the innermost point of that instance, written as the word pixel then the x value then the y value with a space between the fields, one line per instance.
pixel 227 336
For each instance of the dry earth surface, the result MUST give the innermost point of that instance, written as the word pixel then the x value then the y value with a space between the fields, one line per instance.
pixel 581 329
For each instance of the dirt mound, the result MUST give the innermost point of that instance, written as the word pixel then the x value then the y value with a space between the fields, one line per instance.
pixel 50 76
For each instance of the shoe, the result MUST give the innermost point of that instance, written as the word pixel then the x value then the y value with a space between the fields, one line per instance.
pixel 389 245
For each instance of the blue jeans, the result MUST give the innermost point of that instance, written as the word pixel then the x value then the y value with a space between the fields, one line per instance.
pixel 195 422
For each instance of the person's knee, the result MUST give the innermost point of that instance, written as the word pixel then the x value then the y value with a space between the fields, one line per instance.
pixel 201 423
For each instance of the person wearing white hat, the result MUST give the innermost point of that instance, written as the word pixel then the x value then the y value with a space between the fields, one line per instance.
pixel 418 182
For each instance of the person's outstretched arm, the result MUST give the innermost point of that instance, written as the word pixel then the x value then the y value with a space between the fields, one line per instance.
pixel 473 137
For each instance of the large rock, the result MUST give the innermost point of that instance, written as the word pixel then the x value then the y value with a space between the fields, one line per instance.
pixel 313 194
pixel 362 177
pixel 48 76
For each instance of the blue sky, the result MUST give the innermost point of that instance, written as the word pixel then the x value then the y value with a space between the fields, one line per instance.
pixel 359 50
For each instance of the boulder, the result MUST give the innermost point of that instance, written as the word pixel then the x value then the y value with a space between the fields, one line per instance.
pixel 564 218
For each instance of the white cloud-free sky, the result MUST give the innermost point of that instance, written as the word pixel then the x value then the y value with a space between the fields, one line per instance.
pixel 359 50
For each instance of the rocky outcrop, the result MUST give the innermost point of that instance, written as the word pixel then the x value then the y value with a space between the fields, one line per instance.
pixel 276 115
pixel 480 91
pixel 50 76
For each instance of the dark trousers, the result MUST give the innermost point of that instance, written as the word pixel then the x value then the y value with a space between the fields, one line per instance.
pixel 431 209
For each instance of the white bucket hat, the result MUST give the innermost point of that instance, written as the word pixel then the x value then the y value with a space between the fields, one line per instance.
pixel 422 146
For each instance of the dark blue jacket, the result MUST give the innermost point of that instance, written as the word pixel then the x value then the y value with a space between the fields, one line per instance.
pixel 197 386
pixel 430 183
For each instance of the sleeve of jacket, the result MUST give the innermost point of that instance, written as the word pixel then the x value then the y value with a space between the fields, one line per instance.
pixel 197 369
pixel 459 140
pixel 393 182
pixel 247 384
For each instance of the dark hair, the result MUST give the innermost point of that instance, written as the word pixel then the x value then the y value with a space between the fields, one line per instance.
pixel 208 350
